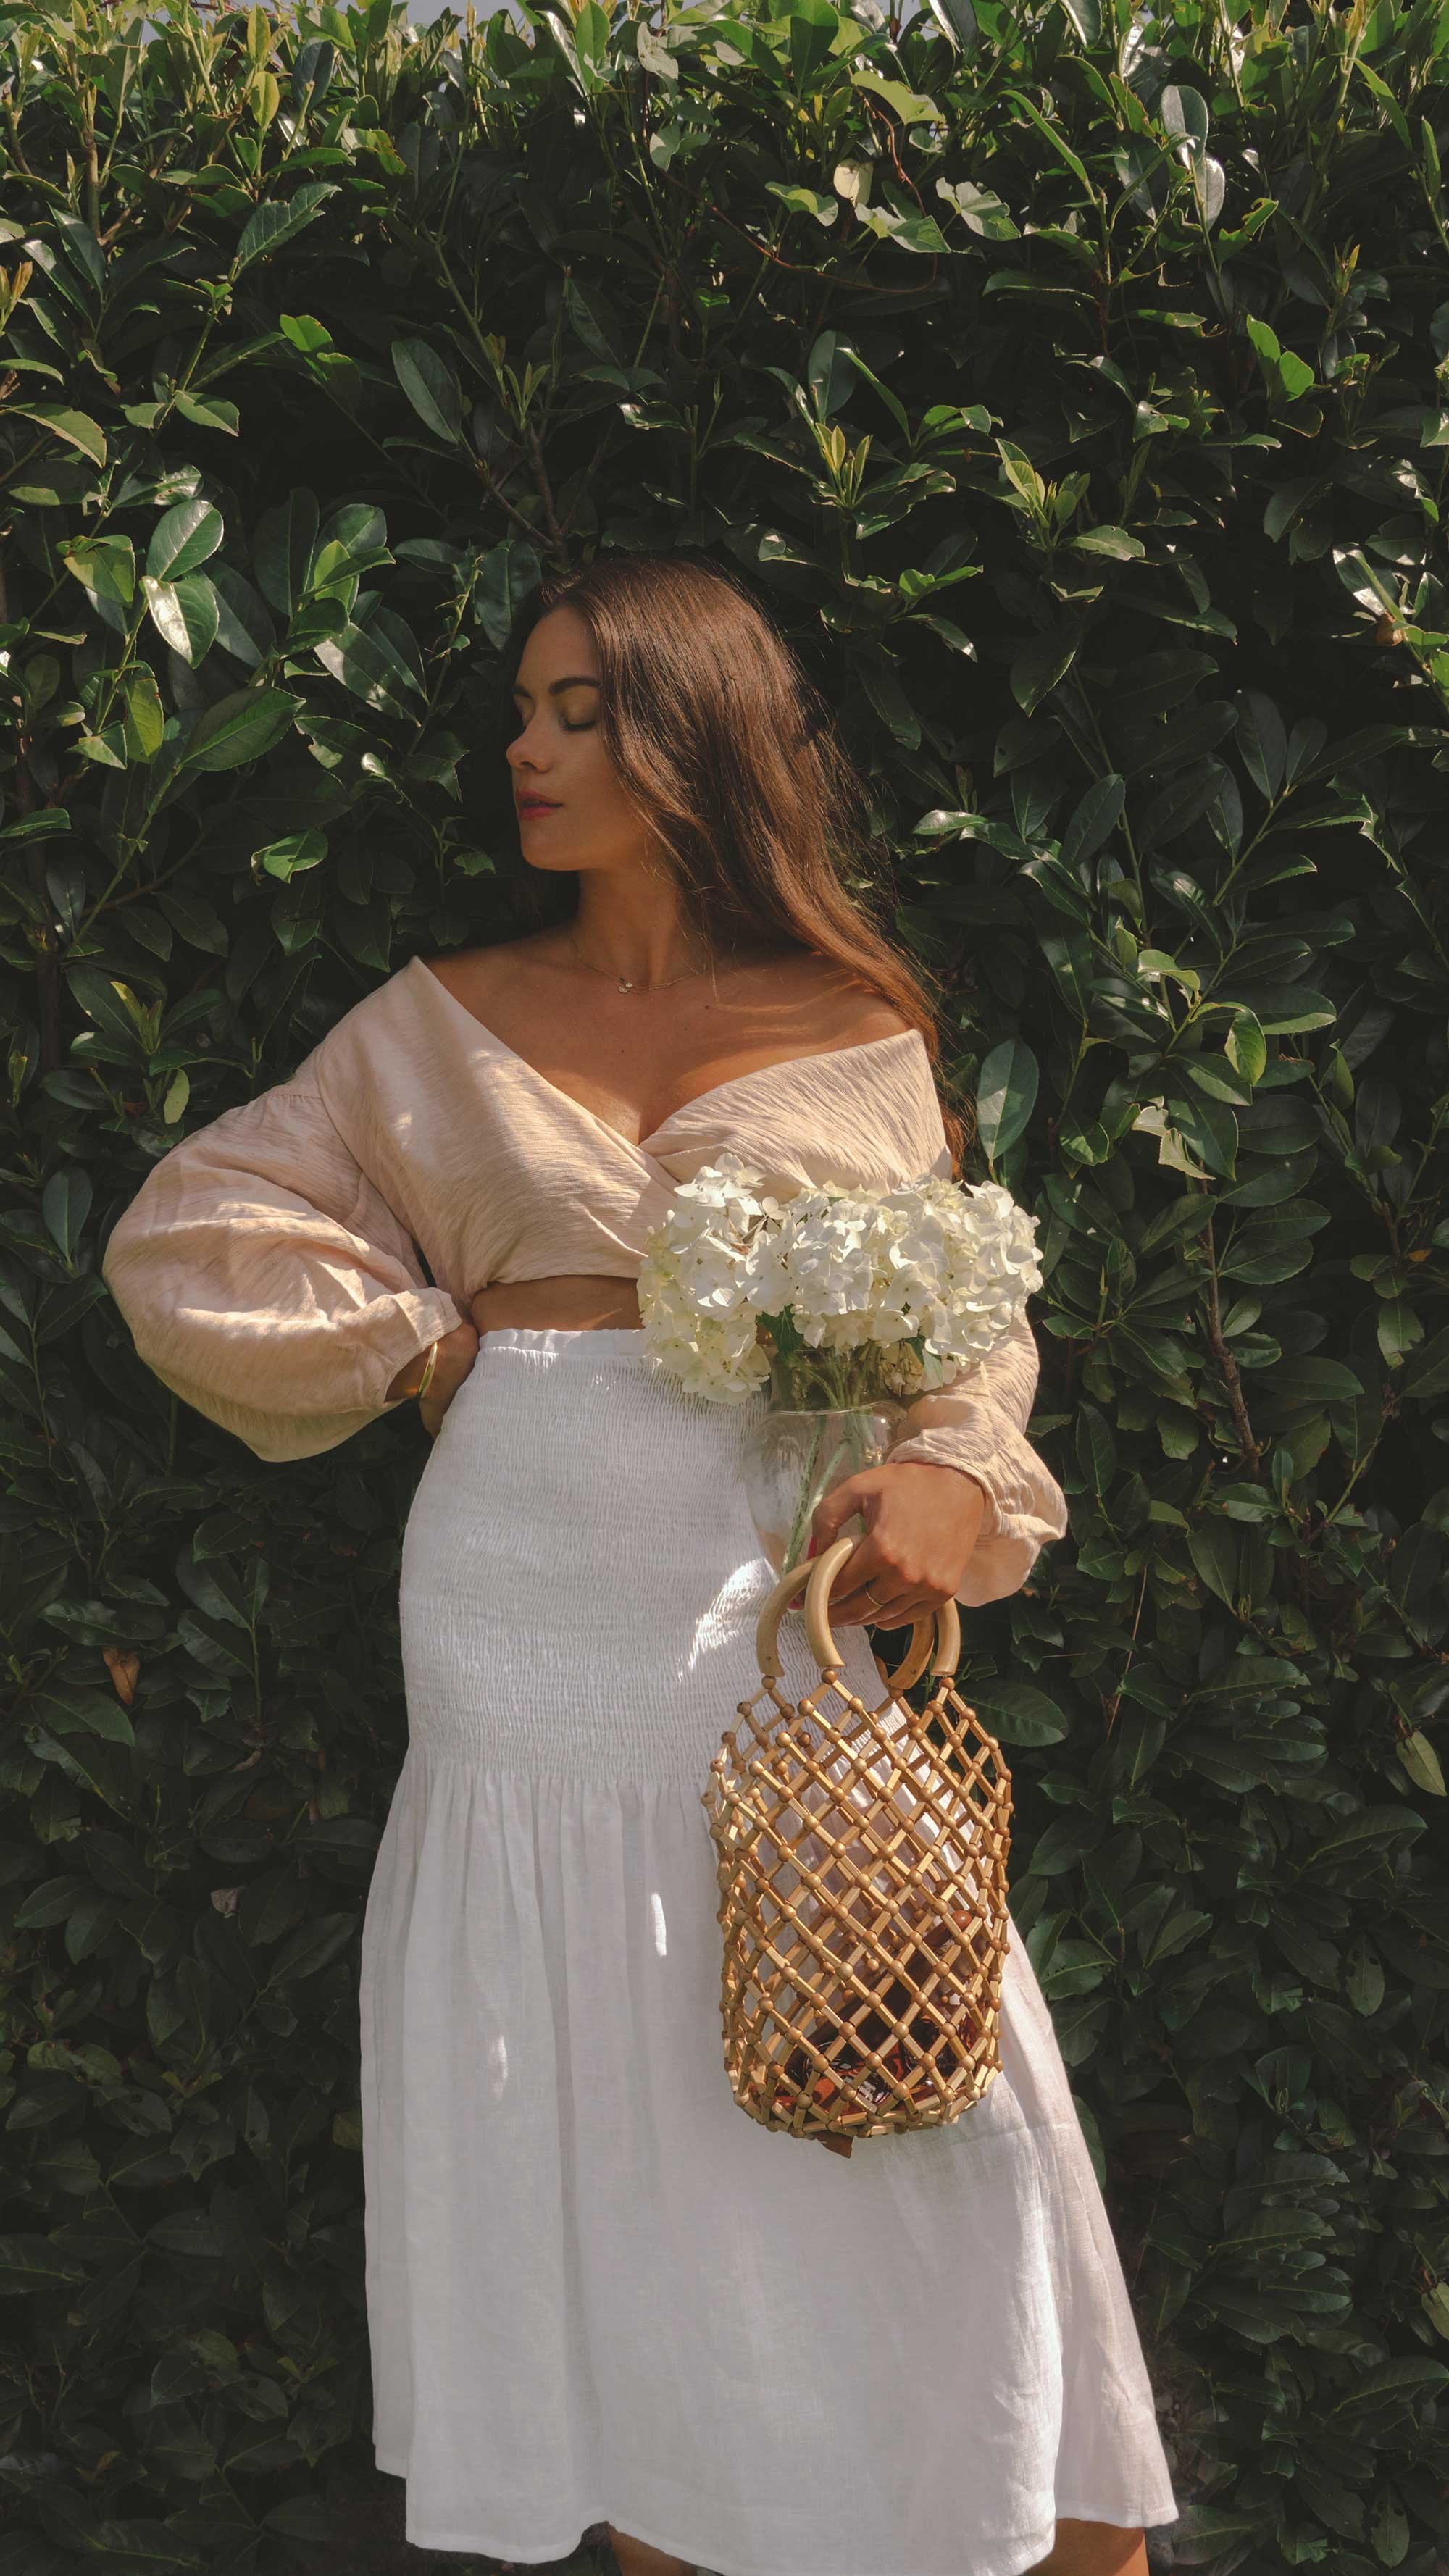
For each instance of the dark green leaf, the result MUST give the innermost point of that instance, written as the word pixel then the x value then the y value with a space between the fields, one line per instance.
pixel 1094 820
pixel 430 385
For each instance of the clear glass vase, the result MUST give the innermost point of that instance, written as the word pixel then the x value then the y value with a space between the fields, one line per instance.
pixel 819 1426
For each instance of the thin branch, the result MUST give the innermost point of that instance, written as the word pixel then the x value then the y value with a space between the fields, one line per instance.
pixel 1231 1377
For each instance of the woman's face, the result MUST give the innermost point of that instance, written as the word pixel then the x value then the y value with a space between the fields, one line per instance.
pixel 557 755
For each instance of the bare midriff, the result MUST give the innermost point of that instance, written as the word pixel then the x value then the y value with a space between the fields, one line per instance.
pixel 570 1303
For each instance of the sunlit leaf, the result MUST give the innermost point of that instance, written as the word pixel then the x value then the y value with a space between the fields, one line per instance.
pixel 1005 1096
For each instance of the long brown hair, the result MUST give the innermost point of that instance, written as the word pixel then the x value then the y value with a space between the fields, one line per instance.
pixel 717 734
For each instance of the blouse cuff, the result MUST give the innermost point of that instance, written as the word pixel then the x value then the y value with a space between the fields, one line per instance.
pixel 419 1316
pixel 396 1331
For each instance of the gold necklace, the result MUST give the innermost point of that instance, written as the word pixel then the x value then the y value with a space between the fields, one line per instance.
pixel 629 984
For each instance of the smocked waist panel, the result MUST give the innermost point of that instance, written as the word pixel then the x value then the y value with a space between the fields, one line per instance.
pixel 580 1575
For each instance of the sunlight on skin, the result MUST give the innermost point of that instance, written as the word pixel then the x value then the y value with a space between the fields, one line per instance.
pixel 636 2558
pixel 1093 2549
pixel 1081 2549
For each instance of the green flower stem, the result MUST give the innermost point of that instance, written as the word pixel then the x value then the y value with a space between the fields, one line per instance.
pixel 843 1384
pixel 810 1381
pixel 813 1488
pixel 817 1481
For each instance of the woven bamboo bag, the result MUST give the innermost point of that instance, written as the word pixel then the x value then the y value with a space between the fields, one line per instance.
pixel 862 1877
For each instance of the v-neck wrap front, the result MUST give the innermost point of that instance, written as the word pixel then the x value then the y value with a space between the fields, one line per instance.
pixel 271 1265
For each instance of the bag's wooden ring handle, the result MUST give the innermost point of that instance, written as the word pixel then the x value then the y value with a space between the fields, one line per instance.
pixel 944 1630
pixel 912 1665
pixel 772 1611
pixel 913 1662
pixel 947 1623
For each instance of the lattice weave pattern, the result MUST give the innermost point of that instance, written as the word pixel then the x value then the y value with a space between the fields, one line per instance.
pixel 862 1877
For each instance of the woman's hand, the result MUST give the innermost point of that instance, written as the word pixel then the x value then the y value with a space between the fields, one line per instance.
pixel 456 1353
pixel 922 1523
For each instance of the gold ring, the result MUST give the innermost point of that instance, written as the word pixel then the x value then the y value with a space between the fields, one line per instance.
pixel 870 1596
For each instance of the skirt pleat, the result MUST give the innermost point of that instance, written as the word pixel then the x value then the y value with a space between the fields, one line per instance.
pixel 597 2290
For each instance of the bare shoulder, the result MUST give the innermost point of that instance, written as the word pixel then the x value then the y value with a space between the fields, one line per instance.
pixel 839 1006
pixel 471 975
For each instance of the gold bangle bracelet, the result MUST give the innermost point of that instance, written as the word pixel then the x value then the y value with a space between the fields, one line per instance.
pixel 425 1381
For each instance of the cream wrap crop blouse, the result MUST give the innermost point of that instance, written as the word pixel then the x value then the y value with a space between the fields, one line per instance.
pixel 268 1265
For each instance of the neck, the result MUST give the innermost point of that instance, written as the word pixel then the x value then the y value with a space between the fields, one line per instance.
pixel 637 930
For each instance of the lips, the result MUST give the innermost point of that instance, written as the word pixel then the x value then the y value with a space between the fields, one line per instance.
pixel 536 805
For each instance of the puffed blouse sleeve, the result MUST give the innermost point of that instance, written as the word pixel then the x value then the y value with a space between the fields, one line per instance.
pixel 977 1423
pixel 266 1280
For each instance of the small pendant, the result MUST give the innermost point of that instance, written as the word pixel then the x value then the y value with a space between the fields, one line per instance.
pixel 625 984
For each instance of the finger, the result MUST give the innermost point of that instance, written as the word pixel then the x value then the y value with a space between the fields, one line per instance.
pixel 826 1521
pixel 881 1603
pixel 865 1587
pixel 899 1610
pixel 847 1604
pixel 889 1622
pixel 834 1509
pixel 900 1615
pixel 895 1603
pixel 912 1612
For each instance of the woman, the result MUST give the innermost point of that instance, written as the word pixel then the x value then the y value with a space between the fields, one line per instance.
pixel 596 2289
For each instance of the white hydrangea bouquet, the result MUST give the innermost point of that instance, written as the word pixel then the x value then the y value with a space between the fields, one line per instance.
pixel 843 1302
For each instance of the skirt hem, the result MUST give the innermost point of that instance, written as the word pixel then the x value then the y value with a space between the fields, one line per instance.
pixel 655 2538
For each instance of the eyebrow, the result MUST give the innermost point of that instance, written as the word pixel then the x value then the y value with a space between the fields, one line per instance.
pixel 579 680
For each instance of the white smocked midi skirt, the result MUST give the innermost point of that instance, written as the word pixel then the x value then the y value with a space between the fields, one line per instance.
pixel 596 2289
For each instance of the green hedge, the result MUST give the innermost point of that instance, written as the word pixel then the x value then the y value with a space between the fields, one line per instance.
pixel 1073 386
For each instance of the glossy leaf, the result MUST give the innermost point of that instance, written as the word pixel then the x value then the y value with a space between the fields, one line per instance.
pixel 1005 1097
pixel 1125 333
